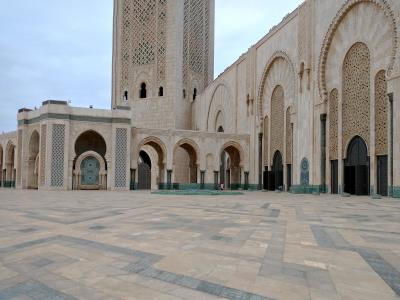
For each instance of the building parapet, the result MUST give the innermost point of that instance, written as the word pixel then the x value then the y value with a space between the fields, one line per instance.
pixel 60 110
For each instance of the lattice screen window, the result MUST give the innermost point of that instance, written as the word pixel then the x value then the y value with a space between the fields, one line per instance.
pixel 356 94
pixel 277 120
pixel 381 114
pixel 57 155
pixel 196 39
pixel 43 140
pixel 121 152
pixel 333 124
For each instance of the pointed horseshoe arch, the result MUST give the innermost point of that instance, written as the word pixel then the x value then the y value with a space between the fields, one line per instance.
pixel 342 13
pixel 157 144
pixel 269 65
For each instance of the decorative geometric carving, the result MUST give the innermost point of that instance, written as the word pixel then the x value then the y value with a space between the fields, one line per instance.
pixel 196 41
pixel 121 152
pixel 57 155
pixel 356 94
pixel 277 120
pixel 305 172
pixel 381 114
pixel 143 38
pixel 304 33
pixel 333 124
pixel 342 13
pixel 42 160
pixel 289 137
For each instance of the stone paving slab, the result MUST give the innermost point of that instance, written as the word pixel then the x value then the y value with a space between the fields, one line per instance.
pixel 255 246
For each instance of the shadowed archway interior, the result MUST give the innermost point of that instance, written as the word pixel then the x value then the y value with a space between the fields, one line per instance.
pixel 144 167
pixel 356 170
pixel 87 167
pixel 33 161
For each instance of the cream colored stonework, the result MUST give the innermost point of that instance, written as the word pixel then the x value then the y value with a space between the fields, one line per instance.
pixel 335 58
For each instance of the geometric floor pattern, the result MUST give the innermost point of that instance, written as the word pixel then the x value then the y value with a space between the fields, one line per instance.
pixel 256 246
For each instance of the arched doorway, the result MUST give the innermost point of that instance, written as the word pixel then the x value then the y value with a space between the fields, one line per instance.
pixel 230 168
pixel 33 161
pixel 277 171
pixel 10 166
pixel 356 168
pixel 144 168
pixel 185 165
pixel 90 165
pixel 90 172
pixel 152 151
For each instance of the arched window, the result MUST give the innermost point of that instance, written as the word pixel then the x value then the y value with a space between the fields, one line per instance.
pixel 143 91
pixel 161 91
pixel 125 96
pixel 194 94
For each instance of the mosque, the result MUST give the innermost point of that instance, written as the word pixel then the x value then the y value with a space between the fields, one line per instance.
pixel 310 108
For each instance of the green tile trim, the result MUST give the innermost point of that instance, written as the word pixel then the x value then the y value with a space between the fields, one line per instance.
pixel 395 192
pixel 307 189
pixel 8 184
pixel 253 187
pixel 206 186
pixel 197 193
pixel 74 118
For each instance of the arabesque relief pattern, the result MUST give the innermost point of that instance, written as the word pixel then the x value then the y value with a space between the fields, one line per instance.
pixel 277 120
pixel 143 37
pixel 333 124
pixel 356 94
pixel 381 114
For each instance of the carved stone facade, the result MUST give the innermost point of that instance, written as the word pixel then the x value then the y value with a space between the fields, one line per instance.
pixel 324 76
pixel 277 121
pixel 143 44
pixel 356 94
pixel 289 136
pixel 381 114
pixel 333 124
pixel 196 45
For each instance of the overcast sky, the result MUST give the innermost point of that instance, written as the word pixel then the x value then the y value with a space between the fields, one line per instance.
pixel 62 49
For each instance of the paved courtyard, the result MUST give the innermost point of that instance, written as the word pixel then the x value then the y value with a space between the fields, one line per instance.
pixel 103 245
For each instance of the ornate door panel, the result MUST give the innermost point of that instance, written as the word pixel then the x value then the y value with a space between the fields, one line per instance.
pixel 90 171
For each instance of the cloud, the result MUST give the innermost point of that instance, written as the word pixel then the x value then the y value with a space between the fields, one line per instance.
pixel 63 49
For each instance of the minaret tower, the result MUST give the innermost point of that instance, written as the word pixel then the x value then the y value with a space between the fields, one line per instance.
pixel 163 58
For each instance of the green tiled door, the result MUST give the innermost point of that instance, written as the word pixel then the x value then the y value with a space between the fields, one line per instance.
pixel 90 168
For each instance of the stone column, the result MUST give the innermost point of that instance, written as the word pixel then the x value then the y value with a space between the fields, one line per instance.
pixel 216 177
pixel 202 179
pixel 391 144
pixel 169 180
pixel 260 160
pixel 323 154
pixel 246 180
